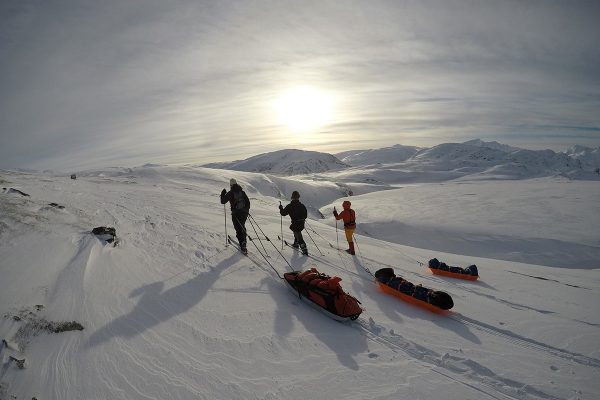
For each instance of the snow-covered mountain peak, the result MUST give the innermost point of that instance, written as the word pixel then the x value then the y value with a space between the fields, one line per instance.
pixel 587 157
pixel 285 162
pixel 579 149
pixel 386 155
pixel 459 151
pixel 492 145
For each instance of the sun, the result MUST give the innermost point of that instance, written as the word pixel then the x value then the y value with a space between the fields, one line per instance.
pixel 304 109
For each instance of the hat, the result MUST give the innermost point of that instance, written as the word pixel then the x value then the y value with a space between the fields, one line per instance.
pixel 232 182
pixel 295 195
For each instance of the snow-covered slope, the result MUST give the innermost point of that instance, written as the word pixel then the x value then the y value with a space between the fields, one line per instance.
pixel 492 145
pixel 172 312
pixel 385 155
pixel 285 162
pixel 587 157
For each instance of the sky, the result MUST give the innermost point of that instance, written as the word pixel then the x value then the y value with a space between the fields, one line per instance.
pixel 93 84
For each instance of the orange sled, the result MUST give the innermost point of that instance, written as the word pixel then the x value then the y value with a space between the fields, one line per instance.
pixel 409 299
pixel 433 300
pixel 440 268
pixel 454 274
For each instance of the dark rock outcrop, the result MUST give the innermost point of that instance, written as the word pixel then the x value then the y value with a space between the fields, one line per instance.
pixel 108 234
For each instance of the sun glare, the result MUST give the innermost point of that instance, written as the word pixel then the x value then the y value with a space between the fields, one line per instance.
pixel 304 109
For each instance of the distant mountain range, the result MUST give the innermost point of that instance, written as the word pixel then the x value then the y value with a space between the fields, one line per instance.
pixel 453 160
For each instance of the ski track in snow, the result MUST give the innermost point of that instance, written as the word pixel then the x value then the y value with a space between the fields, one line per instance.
pixel 477 372
pixel 527 343
pixel 457 368
pixel 504 334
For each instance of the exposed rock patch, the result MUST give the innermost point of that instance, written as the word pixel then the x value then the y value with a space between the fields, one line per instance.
pixel 34 324
pixel 107 234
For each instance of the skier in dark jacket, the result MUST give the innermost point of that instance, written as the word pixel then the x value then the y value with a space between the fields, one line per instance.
pixel 240 208
pixel 298 214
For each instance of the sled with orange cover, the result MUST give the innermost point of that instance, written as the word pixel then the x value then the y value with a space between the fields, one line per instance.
pixel 325 293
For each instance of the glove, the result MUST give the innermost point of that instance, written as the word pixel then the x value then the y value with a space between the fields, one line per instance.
pixel 223 192
pixel 335 214
pixel 280 207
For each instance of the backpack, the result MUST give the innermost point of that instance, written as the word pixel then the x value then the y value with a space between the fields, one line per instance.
pixel 351 224
pixel 239 200
pixel 303 212
pixel 472 269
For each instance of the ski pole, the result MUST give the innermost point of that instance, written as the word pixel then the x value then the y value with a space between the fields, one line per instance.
pixel 313 240
pixel 337 239
pixel 310 228
pixel 281 217
pixel 252 222
pixel 361 257
pixel 225 214
pixel 270 241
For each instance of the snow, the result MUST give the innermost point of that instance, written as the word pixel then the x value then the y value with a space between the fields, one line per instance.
pixel 492 145
pixel 396 153
pixel 474 159
pixel 172 312
pixel 285 162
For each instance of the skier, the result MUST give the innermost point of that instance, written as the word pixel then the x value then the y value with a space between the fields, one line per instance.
pixel 240 208
pixel 298 214
pixel 349 218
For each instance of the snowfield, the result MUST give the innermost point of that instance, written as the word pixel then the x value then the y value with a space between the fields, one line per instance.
pixel 172 312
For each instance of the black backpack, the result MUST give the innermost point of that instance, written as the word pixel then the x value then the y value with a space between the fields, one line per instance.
pixel 239 200
pixel 303 212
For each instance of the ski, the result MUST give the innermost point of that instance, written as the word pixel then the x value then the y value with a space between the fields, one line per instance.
pixel 338 248
pixel 251 257
pixel 295 248
pixel 236 245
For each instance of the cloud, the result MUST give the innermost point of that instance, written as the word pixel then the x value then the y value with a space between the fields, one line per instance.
pixel 88 82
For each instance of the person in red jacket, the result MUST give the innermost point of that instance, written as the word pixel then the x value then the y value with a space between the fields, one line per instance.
pixel 349 218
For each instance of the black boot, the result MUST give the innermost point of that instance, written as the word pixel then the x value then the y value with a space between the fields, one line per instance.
pixel 304 249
